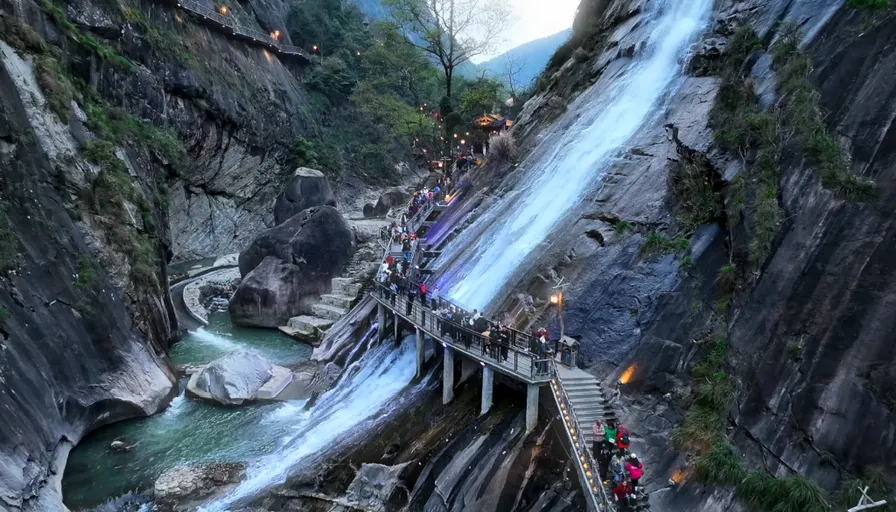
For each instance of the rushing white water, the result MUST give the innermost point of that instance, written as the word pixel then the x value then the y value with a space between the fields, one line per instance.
pixel 214 339
pixel 384 372
pixel 573 157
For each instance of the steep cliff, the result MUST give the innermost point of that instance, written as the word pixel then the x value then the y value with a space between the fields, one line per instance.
pixel 736 232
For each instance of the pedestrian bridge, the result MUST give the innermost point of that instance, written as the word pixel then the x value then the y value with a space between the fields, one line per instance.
pixel 576 393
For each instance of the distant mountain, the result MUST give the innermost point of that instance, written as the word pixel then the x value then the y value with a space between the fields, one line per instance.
pixel 532 56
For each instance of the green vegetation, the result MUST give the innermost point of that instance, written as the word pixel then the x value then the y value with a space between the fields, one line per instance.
pixel 870 4
pixel 697 193
pixel 719 465
pixel 74 33
pixel 656 244
pixel 164 41
pixel 763 491
pixel 803 115
pixel 880 486
pixel 623 226
pixel 9 246
pixel 56 86
pixel 86 270
pixel 117 126
pixel 704 425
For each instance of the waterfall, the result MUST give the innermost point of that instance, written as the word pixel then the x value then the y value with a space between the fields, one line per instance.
pixel 385 371
pixel 574 155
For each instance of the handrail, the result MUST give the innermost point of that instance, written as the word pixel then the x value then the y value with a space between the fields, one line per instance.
pixel 211 14
pixel 460 336
pixel 587 469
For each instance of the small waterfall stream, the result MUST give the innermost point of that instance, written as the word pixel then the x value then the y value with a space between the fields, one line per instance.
pixel 573 157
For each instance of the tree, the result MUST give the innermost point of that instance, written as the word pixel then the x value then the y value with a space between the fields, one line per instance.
pixel 453 31
pixel 512 68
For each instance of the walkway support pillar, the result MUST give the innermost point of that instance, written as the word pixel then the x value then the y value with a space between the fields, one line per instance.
pixel 448 376
pixel 421 351
pixel 488 383
pixel 468 367
pixel 381 322
pixel 531 406
pixel 395 319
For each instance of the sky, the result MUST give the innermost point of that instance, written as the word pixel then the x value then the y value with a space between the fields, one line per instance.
pixel 534 19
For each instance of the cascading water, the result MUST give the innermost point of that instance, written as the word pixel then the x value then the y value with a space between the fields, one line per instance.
pixel 572 158
pixel 384 372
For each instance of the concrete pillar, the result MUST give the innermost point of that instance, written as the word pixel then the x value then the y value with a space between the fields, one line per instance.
pixel 421 351
pixel 448 376
pixel 381 322
pixel 531 407
pixel 468 367
pixel 395 319
pixel 488 382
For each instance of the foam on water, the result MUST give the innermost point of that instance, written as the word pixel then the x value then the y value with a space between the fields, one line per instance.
pixel 384 372
pixel 572 158
pixel 215 340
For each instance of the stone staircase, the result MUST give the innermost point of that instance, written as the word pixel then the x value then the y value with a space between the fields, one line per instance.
pixel 312 328
pixel 587 399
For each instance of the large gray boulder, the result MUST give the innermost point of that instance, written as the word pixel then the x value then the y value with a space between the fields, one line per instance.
pixel 307 188
pixel 288 266
pixel 397 196
pixel 232 379
pixel 183 487
pixel 318 240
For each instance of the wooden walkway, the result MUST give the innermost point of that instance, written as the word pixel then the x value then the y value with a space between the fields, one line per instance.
pixel 210 15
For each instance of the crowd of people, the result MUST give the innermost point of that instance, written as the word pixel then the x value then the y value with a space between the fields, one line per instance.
pixel 617 464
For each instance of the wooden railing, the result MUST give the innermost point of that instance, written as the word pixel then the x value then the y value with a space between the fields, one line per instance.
pixel 586 466
pixel 209 13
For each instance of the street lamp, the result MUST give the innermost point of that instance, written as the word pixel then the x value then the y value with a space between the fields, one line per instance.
pixel 224 10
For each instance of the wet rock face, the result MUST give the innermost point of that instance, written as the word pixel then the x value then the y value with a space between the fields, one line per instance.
pixel 306 188
pixel 271 294
pixel 373 485
pixel 80 345
pixel 181 488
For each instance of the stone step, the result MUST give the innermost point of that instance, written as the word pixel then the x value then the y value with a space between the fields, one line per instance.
pixel 340 301
pixel 345 286
pixel 309 325
pixel 327 311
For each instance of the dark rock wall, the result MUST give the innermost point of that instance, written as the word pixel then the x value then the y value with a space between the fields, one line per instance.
pixel 809 330
pixel 79 348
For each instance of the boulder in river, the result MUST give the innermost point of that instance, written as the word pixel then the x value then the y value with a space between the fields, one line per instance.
pixel 305 189
pixel 182 487
pixel 232 379
pixel 288 266
pixel 373 485
pixel 397 196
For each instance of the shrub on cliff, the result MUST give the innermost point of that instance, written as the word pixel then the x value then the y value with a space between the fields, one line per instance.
pixel 502 148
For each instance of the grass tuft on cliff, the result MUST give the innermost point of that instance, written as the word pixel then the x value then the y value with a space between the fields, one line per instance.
pixel 803 115
pixel 658 244
pixel 720 465
pixel 870 4
pixel 74 33
pixel 9 244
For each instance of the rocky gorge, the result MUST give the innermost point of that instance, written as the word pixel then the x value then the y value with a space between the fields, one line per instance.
pixel 732 261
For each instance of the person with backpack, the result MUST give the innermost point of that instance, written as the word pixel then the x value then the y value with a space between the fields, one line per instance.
pixel 623 441
pixel 635 469
pixel 423 291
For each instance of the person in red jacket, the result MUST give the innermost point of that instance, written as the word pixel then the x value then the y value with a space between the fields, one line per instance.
pixel 623 492
pixel 623 441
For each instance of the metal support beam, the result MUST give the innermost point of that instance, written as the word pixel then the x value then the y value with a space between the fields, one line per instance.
pixel 421 352
pixel 531 406
pixel 488 384
pixel 448 376
pixel 381 322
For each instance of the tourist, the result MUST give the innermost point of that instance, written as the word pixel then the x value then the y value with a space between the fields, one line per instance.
pixel 635 469
pixel 435 297
pixel 618 470
pixel 623 493
pixel 423 290
pixel 611 432
pixel 599 434
pixel 622 440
